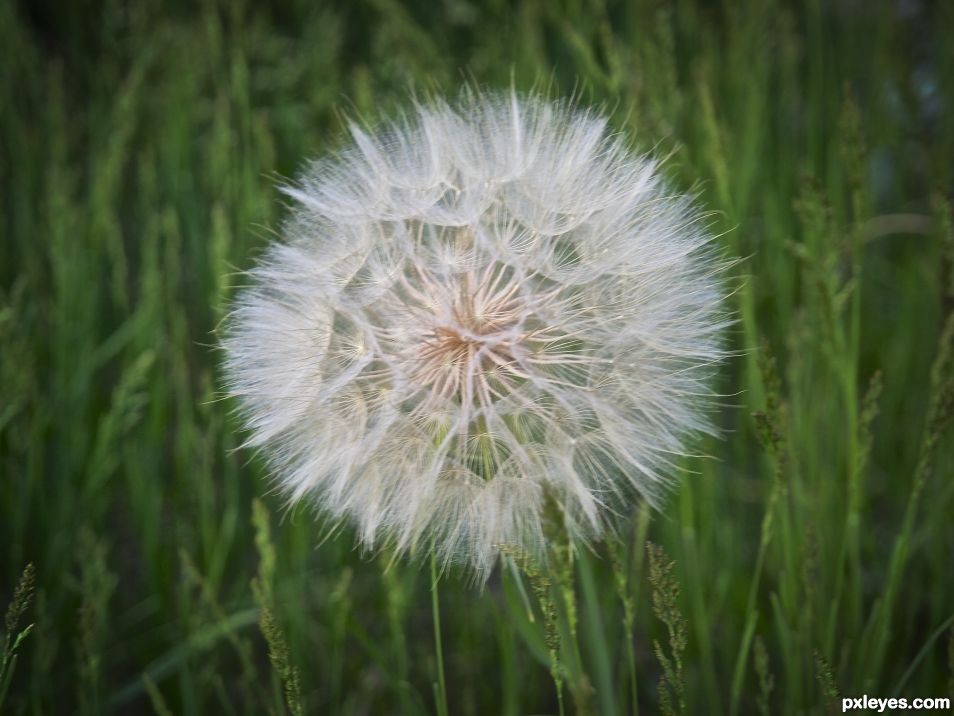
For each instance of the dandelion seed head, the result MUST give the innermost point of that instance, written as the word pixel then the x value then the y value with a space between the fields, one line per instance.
pixel 479 313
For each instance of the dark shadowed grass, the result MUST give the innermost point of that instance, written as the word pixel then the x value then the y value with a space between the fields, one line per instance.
pixel 806 559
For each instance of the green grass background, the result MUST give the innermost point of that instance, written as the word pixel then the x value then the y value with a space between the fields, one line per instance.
pixel 140 143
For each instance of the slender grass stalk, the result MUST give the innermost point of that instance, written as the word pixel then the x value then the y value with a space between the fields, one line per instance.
pixel 262 586
pixel 928 645
pixel 156 700
pixel 397 596
pixel 826 679
pixel 440 688
pixel 542 588
pixel 765 678
pixel 564 565
pixel 597 642
pixel 672 684
pixel 12 638
pixel 627 596
pixel 878 631
pixel 769 431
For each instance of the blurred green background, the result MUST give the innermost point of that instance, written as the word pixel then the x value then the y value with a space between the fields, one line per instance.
pixel 140 144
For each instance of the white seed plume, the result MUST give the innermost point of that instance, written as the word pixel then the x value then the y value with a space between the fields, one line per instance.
pixel 484 318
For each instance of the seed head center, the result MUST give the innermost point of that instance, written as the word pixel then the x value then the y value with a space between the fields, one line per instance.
pixel 470 351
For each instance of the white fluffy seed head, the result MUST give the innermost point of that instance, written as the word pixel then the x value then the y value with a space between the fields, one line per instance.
pixel 483 318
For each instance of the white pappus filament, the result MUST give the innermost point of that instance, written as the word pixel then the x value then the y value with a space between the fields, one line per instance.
pixel 479 313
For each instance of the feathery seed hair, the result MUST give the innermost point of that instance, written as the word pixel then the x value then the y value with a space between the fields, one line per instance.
pixel 483 317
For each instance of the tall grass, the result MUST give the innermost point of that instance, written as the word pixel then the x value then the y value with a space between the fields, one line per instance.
pixel 809 555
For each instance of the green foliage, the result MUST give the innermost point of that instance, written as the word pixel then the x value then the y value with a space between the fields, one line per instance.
pixel 140 143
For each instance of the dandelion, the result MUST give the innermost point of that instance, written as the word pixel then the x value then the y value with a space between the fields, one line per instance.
pixel 485 317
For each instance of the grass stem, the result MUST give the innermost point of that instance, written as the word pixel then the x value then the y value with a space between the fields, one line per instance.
pixel 441 686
